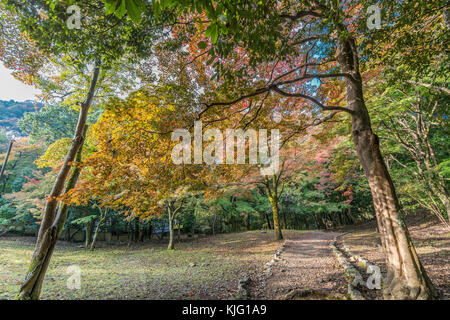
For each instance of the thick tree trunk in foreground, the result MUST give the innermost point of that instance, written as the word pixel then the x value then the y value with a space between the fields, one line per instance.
pixel 52 223
pixel 406 278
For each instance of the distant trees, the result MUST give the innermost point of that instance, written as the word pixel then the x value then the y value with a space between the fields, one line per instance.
pixel 11 111
pixel 414 123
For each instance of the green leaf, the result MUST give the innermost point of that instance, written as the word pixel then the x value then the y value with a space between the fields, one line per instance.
pixel 209 30
pixel 202 45
pixel 110 6
pixel 211 60
pixel 214 34
pixel 134 9
pixel 121 10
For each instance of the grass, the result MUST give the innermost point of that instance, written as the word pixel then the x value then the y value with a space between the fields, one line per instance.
pixel 144 271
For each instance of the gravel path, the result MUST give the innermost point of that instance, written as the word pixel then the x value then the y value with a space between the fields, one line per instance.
pixel 306 263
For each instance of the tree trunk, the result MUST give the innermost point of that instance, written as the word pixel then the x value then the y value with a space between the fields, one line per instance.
pixel 32 286
pixel 97 229
pixel 129 233
pixel 88 237
pixel 171 245
pixel 406 278
pixel 136 230
pixel 285 220
pixel 52 223
pixel 5 162
pixel 150 229
pixel 276 218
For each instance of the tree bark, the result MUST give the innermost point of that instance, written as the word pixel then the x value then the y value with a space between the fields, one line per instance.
pixel 5 162
pixel 88 236
pixel 276 218
pixel 406 278
pixel 97 229
pixel 171 245
pixel 136 229
pixel 172 212
pixel 273 194
pixel 51 223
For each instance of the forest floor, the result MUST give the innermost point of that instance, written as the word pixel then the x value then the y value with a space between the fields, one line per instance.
pixel 211 267
pixel 205 268
pixel 307 266
pixel 431 240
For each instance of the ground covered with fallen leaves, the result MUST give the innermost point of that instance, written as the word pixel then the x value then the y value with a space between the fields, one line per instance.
pixel 205 268
pixel 210 267
pixel 431 240
pixel 307 269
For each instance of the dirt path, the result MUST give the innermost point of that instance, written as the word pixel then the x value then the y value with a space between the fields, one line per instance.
pixel 306 263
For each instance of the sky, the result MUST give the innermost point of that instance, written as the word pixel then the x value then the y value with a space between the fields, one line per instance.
pixel 11 88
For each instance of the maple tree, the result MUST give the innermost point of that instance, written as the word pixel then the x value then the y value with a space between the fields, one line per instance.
pixel 98 44
pixel 325 35
pixel 362 116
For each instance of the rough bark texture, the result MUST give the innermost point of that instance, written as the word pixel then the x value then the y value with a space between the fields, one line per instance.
pixel 273 194
pixel 51 223
pixel 276 219
pixel 406 277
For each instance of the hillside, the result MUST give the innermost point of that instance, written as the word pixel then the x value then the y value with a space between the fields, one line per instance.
pixel 11 111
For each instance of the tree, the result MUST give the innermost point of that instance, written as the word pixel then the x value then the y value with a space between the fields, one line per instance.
pixel 415 126
pixel 274 193
pixel 132 169
pixel 99 43
pixel 312 40
pixel 5 161
pixel 172 211
pixel 103 214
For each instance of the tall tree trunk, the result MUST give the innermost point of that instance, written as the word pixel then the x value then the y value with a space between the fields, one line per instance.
pixel 5 162
pixel 276 218
pixel 136 229
pixel 271 185
pixel 285 220
pixel 150 230
pixel 171 245
pixel 172 212
pixel 57 228
pixel 88 236
pixel 406 278
pixel 268 220
pixel 51 223
pixel 97 229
